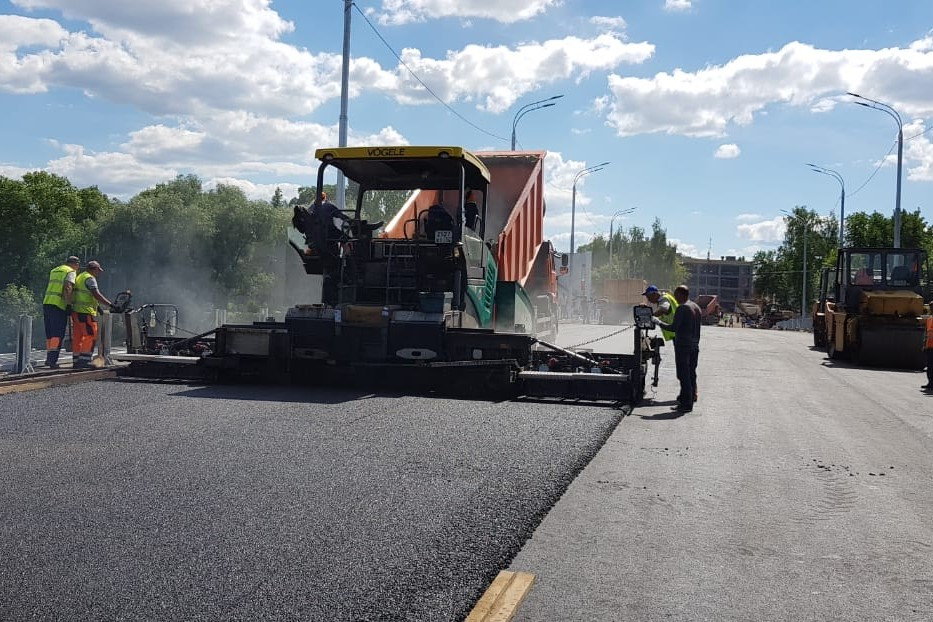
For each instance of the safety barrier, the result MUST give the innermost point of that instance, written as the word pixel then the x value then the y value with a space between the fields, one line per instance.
pixel 105 337
pixel 24 346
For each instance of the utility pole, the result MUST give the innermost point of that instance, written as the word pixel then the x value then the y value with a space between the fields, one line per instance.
pixel 344 99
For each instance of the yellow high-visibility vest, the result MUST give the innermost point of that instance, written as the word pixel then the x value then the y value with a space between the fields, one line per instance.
pixel 667 318
pixel 55 290
pixel 84 300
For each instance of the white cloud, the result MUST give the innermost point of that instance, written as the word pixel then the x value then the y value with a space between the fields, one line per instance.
pixel 763 231
pixel 923 45
pixel 611 23
pixel 177 22
pixel 14 172
pixel 124 174
pixel 506 11
pixel 17 31
pixel 727 152
pixel 678 5
pixel 689 250
pixel 918 149
pixel 498 76
pixel 253 191
pixel 748 217
pixel 706 101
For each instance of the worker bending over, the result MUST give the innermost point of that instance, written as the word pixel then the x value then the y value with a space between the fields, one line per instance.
pixel 84 316
pixel 665 306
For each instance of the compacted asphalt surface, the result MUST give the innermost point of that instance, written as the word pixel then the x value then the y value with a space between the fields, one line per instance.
pixel 154 501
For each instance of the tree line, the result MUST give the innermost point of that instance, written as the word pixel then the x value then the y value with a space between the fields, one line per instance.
pixel 779 273
pixel 174 242
pixel 636 255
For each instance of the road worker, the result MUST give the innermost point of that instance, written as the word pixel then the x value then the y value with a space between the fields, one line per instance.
pixel 686 325
pixel 58 296
pixel 84 314
pixel 665 304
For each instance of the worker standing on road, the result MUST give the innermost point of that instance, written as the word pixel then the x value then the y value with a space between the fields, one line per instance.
pixel 666 306
pixel 84 316
pixel 928 347
pixel 58 297
pixel 686 328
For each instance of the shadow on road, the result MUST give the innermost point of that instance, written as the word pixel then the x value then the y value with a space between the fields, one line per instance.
pixel 843 364
pixel 666 415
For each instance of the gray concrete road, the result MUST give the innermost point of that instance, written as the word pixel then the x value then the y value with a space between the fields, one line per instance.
pixel 798 489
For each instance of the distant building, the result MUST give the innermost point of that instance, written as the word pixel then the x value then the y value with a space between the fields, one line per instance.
pixel 729 277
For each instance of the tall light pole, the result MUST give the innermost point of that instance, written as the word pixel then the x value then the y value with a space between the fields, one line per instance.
pixel 344 98
pixel 803 286
pixel 611 221
pixel 890 111
pixel 573 199
pixel 842 198
pixel 538 105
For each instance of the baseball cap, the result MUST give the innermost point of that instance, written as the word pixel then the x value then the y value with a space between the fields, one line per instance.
pixel 73 259
pixel 94 264
pixel 651 289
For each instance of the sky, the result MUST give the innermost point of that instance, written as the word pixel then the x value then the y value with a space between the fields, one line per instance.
pixel 706 111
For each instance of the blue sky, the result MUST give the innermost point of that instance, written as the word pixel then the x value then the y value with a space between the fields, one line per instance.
pixel 706 110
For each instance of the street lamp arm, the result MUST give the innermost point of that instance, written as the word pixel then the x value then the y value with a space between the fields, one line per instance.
pixel 592 169
pixel 890 111
pixel 522 113
pixel 529 108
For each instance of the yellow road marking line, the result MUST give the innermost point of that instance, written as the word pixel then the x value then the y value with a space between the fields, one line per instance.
pixel 502 597
pixel 32 384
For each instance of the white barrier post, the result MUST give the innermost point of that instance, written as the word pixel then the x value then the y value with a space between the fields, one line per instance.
pixel 105 337
pixel 24 346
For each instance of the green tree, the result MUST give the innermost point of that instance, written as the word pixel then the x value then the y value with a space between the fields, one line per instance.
pixel 637 256
pixel 45 219
pixel 779 275
pixel 277 200
pixel 876 229
pixel 17 300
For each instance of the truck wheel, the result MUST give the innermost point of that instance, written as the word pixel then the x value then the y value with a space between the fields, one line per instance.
pixel 831 350
pixel 819 336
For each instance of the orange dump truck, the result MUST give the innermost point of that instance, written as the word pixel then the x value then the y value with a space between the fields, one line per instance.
pixel 618 297
pixel 709 307
pixel 505 244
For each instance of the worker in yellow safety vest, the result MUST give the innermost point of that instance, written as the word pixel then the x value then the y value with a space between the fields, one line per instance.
pixel 665 304
pixel 84 314
pixel 928 347
pixel 58 296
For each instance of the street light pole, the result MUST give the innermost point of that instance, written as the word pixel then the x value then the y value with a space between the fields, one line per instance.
pixel 530 108
pixel 611 221
pixel 842 197
pixel 573 199
pixel 891 112
pixel 344 99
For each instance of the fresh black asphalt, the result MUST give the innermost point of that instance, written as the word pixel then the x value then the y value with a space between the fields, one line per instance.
pixel 129 500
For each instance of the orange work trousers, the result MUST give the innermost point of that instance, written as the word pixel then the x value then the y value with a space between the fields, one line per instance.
pixel 83 333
